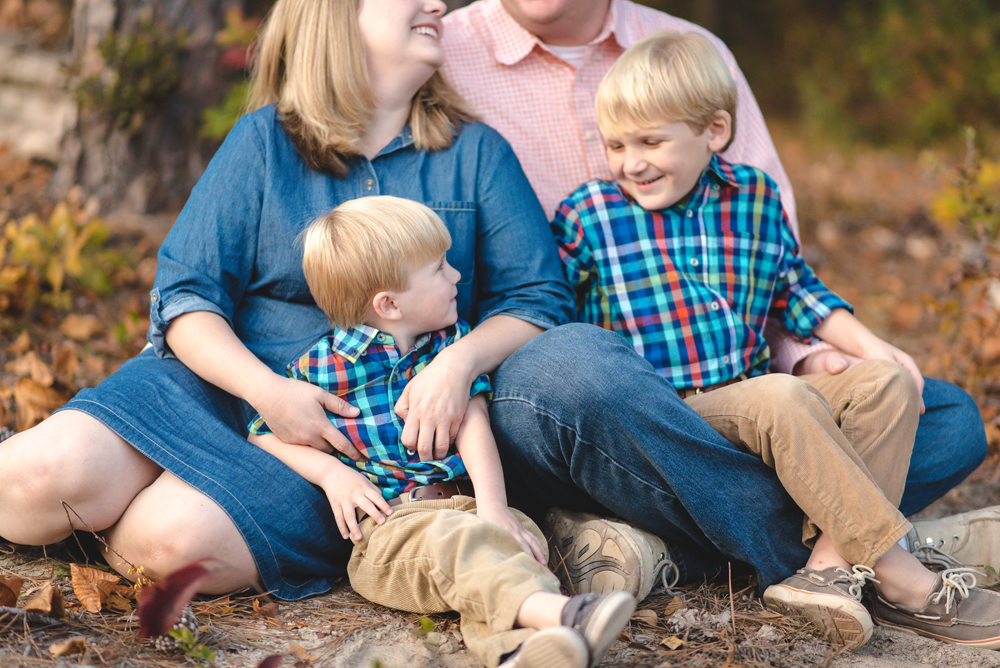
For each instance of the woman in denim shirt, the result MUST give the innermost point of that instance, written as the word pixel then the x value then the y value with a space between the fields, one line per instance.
pixel 349 104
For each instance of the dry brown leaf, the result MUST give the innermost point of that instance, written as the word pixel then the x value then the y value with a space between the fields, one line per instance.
pixel 30 364
pixel 300 653
pixel 126 591
pixel 48 601
pixel 68 647
pixel 907 314
pixel 66 362
pixel 35 402
pixel 222 607
pixel 676 603
pixel 673 642
pixel 647 617
pixel 10 589
pixel 81 327
pixel 91 586
pixel 266 609
pixel 118 603
pixel 989 350
pixel 21 345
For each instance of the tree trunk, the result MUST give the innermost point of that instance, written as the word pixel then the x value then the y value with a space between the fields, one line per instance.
pixel 152 164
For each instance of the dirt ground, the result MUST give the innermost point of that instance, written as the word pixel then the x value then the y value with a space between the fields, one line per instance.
pixel 866 231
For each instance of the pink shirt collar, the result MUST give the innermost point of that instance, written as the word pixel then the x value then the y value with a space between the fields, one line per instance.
pixel 513 43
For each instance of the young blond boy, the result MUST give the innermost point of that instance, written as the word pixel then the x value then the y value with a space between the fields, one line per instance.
pixel 377 268
pixel 686 255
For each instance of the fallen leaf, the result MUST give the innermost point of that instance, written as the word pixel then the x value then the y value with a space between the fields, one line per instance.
pixel 269 609
pixel 21 345
pixel 66 362
pixel 300 653
pixel 673 642
pixel 222 607
pixel 161 603
pixel 92 586
pixel 647 617
pixel 10 589
pixel 48 601
pixel 118 603
pixel 126 591
pixel 35 402
pixel 67 647
pixel 30 364
pixel 676 603
pixel 81 327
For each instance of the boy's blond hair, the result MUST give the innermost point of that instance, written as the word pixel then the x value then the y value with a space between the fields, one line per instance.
pixel 677 77
pixel 310 62
pixel 366 246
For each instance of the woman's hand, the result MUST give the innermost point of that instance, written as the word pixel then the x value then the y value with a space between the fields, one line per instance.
pixel 296 413
pixel 348 490
pixel 502 517
pixel 433 405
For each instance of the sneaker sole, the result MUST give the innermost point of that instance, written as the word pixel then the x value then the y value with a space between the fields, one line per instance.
pixel 989 643
pixel 588 556
pixel 841 622
pixel 606 622
pixel 557 647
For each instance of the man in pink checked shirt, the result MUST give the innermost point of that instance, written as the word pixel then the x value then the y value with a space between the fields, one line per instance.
pixel 531 68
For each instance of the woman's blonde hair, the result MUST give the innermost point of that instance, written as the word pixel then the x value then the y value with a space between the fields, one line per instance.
pixel 677 77
pixel 310 62
pixel 366 246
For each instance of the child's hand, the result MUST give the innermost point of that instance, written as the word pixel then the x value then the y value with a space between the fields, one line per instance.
pixel 433 405
pixel 880 350
pixel 348 489
pixel 501 516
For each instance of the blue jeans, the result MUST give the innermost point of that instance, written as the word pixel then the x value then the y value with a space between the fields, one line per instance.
pixel 583 422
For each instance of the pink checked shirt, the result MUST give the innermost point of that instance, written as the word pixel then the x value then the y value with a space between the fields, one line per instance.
pixel 545 107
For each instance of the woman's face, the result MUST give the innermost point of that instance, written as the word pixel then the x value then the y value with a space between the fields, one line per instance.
pixel 402 35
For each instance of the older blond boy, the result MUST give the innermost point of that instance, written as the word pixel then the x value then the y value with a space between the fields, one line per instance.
pixel 426 540
pixel 686 255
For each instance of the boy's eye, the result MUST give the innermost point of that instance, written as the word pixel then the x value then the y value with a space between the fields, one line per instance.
pixel 653 142
pixel 614 147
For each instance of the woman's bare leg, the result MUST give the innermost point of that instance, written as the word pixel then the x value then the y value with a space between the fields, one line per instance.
pixel 171 524
pixel 69 458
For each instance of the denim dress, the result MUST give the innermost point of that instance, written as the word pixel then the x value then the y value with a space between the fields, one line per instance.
pixel 234 251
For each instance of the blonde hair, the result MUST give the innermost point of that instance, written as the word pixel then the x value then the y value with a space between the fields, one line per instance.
pixel 310 62
pixel 679 77
pixel 366 246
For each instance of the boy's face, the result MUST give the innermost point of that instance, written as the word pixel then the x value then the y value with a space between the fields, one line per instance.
pixel 428 304
pixel 660 165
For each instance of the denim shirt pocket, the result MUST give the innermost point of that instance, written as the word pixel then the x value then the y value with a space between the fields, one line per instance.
pixel 460 219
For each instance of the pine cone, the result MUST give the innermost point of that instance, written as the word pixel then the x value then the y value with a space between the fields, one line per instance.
pixel 186 620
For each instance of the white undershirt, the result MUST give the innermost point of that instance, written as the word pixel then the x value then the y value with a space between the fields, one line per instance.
pixel 571 54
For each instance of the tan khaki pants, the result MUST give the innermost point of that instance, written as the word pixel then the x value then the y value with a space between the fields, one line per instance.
pixel 436 556
pixel 840 444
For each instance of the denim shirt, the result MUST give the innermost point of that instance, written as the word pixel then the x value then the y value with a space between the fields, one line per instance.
pixel 234 249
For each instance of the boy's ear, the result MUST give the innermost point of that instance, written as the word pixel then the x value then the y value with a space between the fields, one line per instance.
pixel 719 130
pixel 385 306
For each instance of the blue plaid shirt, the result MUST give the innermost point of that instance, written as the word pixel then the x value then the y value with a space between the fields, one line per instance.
pixel 691 286
pixel 364 367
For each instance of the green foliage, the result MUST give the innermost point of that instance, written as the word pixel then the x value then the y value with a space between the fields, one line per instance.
pixel 42 260
pixel 143 70
pixel 216 122
pixel 909 71
pixel 973 199
pixel 187 641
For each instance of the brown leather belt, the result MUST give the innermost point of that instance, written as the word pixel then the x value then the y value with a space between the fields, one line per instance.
pixel 692 391
pixel 435 492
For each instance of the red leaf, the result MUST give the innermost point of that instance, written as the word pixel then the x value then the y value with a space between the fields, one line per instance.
pixel 161 603
pixel 272 661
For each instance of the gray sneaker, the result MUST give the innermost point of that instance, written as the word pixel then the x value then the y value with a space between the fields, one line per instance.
pixel 555 647
pixel 956 611
pixel 969 539
pixel 829 599
pixel 599 619
pixel 591 554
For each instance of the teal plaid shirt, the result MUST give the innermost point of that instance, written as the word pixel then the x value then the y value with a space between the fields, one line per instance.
pixel 691 286
pixel 364 367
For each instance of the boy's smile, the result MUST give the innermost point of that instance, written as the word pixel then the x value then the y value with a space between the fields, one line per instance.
pixel 660 165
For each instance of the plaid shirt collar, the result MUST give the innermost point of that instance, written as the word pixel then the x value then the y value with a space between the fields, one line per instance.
pixel 513 43
pixel 352 343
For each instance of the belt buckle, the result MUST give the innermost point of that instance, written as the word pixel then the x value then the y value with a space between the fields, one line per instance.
pixel 409 495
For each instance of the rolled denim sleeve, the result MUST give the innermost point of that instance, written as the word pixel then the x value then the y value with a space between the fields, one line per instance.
pixel 208 257
pixel 521 275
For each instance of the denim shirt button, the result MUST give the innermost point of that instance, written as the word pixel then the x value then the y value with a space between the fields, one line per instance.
pixel 369 183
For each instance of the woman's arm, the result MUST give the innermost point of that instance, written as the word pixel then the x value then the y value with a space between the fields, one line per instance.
pixel 294 410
